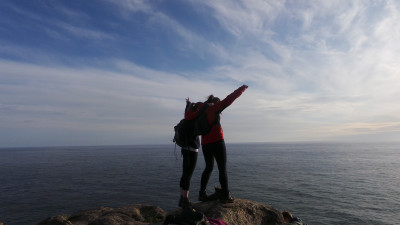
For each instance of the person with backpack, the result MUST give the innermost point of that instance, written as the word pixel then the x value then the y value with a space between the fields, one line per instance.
pixel 189 154
pixel 213 144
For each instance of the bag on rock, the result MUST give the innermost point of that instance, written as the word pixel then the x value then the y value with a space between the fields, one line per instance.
pixel 187 217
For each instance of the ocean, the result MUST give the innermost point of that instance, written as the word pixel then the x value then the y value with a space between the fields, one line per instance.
pixel 321 183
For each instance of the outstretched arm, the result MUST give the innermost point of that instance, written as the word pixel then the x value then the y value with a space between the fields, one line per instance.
pixel 220 106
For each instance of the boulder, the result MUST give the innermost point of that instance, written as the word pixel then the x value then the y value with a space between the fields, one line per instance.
pixel 129 215
pixel 241 212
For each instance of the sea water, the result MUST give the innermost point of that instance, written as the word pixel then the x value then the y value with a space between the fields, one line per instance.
pixel 322 183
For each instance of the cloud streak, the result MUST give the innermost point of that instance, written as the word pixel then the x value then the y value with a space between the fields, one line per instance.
pixel 141 101
pixel 316 71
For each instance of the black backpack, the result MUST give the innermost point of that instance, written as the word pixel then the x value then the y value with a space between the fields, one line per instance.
pixel 187 217
pixel 187 130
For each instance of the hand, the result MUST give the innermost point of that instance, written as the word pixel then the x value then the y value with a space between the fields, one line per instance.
pixel 187 99
pixel 244 86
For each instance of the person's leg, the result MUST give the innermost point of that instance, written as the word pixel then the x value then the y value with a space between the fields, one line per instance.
pixel 184 162
pixel 188 165
pixel 220 157
pixel 182 192
pixel 209 160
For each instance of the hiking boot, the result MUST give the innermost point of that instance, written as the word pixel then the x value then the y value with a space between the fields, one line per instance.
pixel 180 201
pixel 226 197
pixel 186 203
pixel 203 196
pixel 213 197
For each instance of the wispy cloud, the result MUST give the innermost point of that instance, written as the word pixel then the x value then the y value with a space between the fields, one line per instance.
pixel 134 100
pixel 244 18
pixel 69 22
pixel 183 38
pixel 316 70
pixel 84 32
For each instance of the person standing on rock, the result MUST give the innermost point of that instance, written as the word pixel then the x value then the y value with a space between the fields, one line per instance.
pixel 213 145
pixel 189 158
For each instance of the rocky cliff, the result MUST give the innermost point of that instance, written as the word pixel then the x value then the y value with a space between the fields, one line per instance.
pixel 241 212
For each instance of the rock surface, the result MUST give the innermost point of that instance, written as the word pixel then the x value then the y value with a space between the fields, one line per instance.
pixel 241 212
pixel 129 215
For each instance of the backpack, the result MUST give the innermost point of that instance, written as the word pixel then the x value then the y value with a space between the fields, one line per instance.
pixel 187 217
pixel 187 130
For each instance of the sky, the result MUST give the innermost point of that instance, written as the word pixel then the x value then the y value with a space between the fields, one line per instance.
pixel 117 72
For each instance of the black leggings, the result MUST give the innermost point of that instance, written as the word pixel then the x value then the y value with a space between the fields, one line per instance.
pixel 215 150
pixel 188 165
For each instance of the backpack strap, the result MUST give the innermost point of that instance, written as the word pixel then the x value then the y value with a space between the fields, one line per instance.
pixel 203 109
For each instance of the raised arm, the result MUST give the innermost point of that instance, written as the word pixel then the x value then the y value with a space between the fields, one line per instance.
pixel 220 106
pixel 187 104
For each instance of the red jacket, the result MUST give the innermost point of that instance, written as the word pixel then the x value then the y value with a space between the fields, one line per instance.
pixel 214 110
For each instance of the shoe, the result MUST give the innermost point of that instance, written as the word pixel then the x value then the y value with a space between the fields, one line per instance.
pixel 213 197
pixel 227 197
pixel 186 203
pixel 180 201
pixel 203 196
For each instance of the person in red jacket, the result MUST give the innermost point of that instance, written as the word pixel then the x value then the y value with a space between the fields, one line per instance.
pixel 213 145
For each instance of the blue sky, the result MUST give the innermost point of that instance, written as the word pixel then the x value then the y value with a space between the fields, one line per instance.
pixel 110 72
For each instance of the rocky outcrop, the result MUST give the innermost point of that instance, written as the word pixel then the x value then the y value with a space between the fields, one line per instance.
pixel 129 215
pixel 241 212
